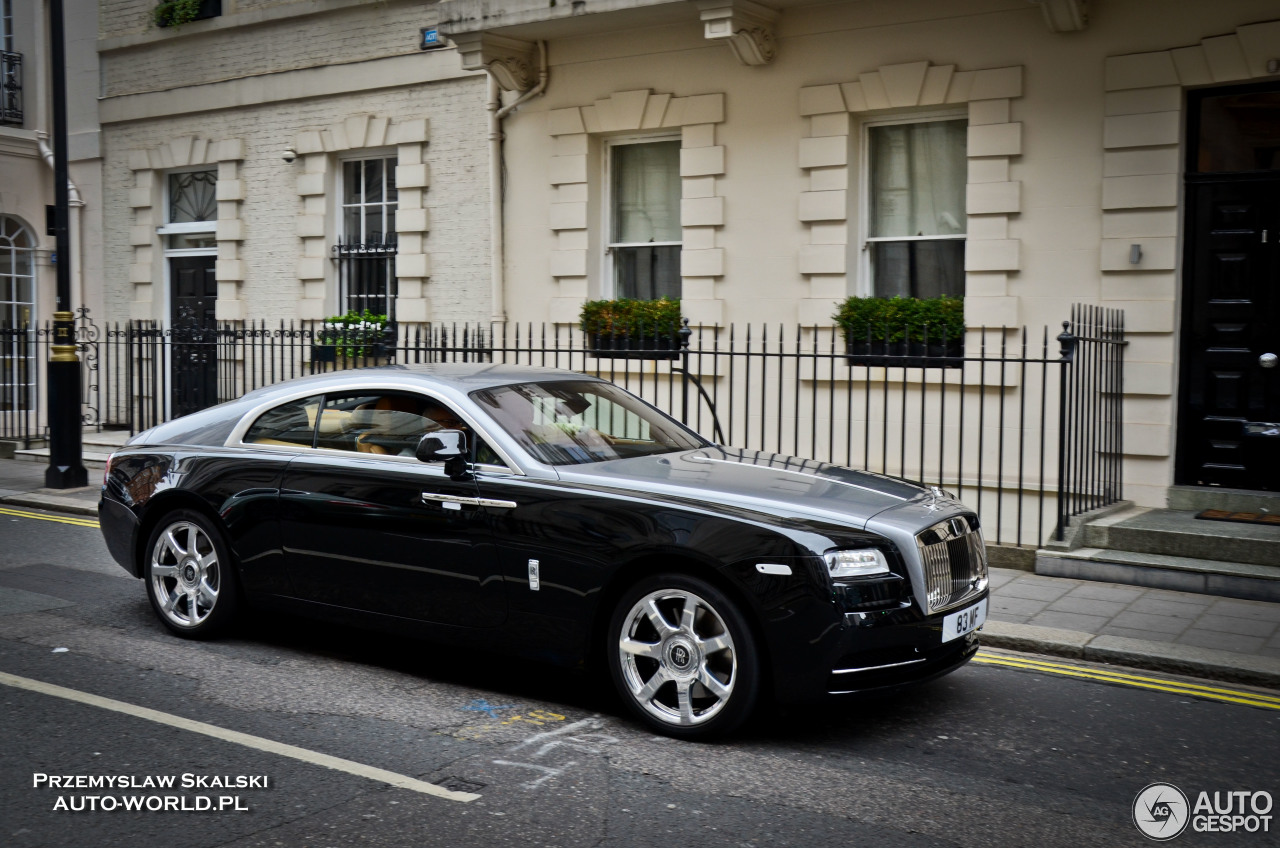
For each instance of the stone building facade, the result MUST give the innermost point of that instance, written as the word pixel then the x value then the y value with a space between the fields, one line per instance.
pixel 1079 172
pixel 272 100
pixel 762 161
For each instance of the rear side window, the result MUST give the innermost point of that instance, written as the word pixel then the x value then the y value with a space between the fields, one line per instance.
pixel 293 423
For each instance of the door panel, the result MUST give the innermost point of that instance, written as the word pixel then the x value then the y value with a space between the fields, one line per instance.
pixel 1231 319
pixel 359 533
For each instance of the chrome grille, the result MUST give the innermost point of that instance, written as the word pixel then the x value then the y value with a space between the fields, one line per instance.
pixel 955 561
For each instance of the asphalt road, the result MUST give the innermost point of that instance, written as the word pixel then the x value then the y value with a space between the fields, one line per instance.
pixel 991 755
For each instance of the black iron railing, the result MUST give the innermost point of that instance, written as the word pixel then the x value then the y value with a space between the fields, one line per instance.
pixel 1025 428
pixel 1091 401
pixel 367 277
pixel 10 88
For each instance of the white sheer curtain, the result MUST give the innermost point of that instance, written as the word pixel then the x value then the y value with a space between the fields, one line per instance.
pixel 645 237
pixel 646 192
pixel 918 176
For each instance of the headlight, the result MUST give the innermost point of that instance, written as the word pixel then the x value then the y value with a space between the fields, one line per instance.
pixel 863 563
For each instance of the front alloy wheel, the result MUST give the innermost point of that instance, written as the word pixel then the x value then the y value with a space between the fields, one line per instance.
pixel 684 659
pixel 188 575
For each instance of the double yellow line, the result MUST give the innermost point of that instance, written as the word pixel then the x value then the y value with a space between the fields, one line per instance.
pixel 61 519
pixel 1176 687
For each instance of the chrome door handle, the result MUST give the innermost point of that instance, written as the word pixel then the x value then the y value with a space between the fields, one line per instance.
pixel 444 500
pixel 432 497
pixel 1268 360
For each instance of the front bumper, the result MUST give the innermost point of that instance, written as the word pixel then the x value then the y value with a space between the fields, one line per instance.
pixel 872 652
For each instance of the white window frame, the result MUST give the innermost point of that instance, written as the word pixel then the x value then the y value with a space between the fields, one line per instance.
pixel 609 280
pixel 340 190
pixel 187 227
pixel 6 26
pixel 866 279
pixel 333 285
pixel 14 348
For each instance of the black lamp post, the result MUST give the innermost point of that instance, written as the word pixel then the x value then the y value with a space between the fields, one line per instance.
pixel 66 465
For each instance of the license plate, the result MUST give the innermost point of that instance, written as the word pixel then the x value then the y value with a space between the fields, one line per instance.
pixel 965 621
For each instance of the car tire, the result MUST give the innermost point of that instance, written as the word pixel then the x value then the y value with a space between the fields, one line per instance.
pixel 683 657
pixel 188 569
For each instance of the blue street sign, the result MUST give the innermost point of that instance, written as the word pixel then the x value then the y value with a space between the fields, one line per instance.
pixel 431 37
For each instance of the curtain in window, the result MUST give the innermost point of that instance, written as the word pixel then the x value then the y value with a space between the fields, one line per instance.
pixel 646 192
pixel 918 176
pixel 646 213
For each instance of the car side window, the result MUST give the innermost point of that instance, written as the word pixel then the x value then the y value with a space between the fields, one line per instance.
pixel 391 424
pixel 292 423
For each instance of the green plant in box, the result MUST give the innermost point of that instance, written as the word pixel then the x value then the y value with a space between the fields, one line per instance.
pixel 632 329
pixel 628 317
pixel 174 13
pixel 901 319
pixel 353 335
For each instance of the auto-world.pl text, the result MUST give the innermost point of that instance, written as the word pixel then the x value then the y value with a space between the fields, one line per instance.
pixel 163 800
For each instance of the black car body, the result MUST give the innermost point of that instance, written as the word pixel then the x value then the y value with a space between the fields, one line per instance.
pixel 703 575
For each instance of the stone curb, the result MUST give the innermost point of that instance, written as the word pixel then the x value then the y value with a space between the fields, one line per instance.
pixel 1135 653
pixel 55 503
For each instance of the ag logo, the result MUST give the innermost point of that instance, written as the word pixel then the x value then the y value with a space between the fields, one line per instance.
pixel 1161 811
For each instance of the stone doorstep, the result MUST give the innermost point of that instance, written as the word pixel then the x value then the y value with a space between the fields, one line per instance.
pixel 1249 581
pixel 1197 498
pixel 1248 669
pixel 1178 533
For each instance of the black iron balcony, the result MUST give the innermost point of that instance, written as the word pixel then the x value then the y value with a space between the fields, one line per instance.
pixel 11 88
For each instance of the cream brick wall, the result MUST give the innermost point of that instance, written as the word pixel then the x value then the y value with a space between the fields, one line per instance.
pixel 314 34
pixel 455 205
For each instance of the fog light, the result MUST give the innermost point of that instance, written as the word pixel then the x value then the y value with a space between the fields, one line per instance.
pixel 863 563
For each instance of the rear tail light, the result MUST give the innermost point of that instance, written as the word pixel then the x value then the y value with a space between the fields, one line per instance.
pixel 106 471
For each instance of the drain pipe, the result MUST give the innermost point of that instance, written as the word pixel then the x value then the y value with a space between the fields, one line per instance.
pixel 496 189
pixel 75 234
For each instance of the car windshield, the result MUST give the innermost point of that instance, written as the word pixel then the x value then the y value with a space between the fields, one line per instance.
pixel 577 422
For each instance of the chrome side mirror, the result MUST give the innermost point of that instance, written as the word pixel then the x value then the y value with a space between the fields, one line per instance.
pixel 441 446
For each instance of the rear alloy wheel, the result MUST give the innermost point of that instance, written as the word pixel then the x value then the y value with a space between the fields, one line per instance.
pixel 188 575
pixel 683 657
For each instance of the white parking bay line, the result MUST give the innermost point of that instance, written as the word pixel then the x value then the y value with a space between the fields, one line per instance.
pixel 256 742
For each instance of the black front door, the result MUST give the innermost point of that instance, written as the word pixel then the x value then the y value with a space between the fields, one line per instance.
pixel 1229 386
pixel 194 334
pixel 1229 427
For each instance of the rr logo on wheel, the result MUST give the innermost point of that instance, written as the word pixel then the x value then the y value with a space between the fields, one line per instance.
pixel 1161 812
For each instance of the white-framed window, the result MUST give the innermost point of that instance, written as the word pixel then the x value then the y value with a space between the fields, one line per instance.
pixel 366 246
pixel 6 25
pixel 17 316
pixel 915 171
pixel 368 198
pixel 190 213
pixel 642 208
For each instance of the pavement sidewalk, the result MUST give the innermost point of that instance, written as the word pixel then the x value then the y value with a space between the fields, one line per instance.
pixel 1155 629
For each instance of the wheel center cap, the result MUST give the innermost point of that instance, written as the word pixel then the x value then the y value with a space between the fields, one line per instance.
pixel 680 655
pixel 189 571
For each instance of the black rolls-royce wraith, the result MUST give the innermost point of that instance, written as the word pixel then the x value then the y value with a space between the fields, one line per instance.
pixel 553 516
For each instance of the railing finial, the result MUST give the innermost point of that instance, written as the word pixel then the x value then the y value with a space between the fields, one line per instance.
pixel 1068 341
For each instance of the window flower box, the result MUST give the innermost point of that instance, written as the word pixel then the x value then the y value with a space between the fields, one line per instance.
pixel 632 329
pixel 903 332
